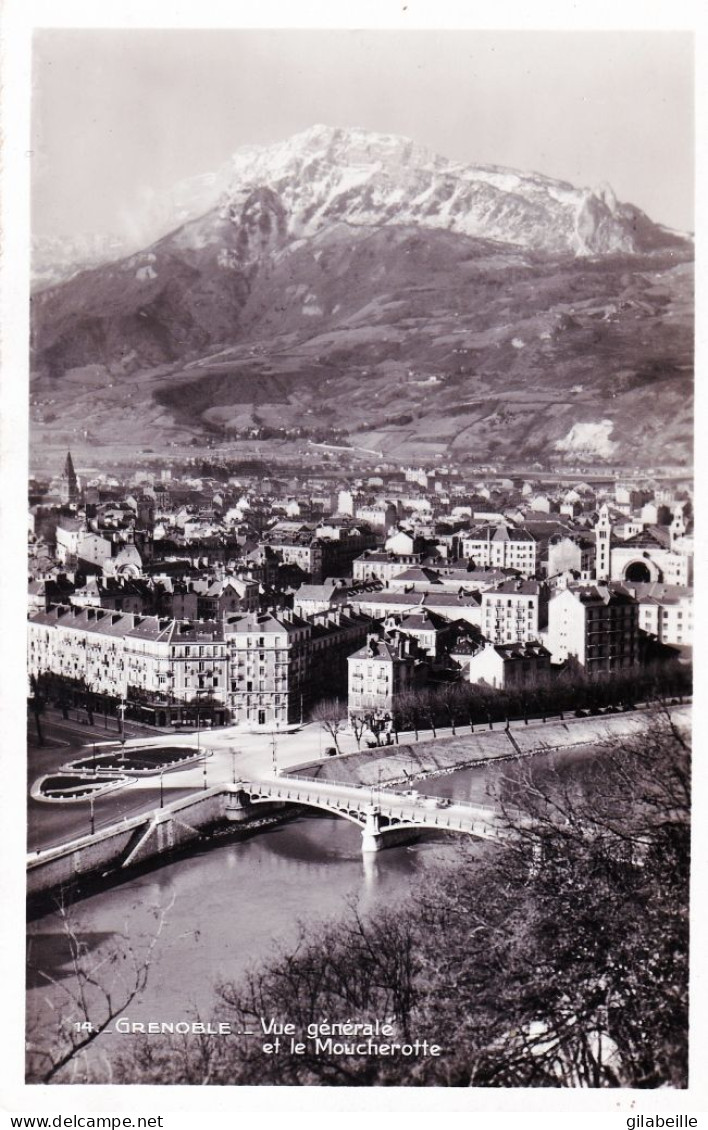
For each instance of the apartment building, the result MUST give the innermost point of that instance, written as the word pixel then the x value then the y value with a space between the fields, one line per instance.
pixel 501 547
pixel 81 644
pixel 383 565
pixel 597 625
pixel 297 547
pixel 514 612
pixel 268 664
pixel 379 674
pixel 568 553
pixel 452 606
pixel 224 595
pixel 509 665
pixel 665 612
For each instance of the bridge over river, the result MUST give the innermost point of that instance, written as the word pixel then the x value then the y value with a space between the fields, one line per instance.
pixel 385 818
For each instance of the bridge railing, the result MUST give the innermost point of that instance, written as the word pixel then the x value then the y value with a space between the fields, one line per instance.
pixel 410 813
pixel 377 790
pixel 409 810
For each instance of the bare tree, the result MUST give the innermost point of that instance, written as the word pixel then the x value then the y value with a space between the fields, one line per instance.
pixel 331 714
pixel 556 956
pixel 100 986
pixel 408 711
pixel 36 704
pixel 358 724
pixel 450 697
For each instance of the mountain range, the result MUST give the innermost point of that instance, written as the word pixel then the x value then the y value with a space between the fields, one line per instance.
pixel 359 282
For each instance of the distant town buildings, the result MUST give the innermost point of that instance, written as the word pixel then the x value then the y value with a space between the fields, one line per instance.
pixel 247 598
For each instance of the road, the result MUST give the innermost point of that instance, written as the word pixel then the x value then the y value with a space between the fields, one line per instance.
pixel 231 753
pixel 75 730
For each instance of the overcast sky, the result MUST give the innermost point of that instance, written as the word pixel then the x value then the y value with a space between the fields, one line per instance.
pixel 119 112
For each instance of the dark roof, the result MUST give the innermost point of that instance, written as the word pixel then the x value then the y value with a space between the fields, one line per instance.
pixel 516 651
pixel 601 594
pixel 516 588
pixel 652 537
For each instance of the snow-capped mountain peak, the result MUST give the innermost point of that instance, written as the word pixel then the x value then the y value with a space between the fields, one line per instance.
pixel 327 175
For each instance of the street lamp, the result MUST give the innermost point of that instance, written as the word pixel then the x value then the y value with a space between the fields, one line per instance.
pixel 162 795
pixel 91 814
pixel 376 792
pixel 198 694
pixel 274 739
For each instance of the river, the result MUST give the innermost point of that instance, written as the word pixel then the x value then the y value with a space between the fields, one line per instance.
pixel 233 904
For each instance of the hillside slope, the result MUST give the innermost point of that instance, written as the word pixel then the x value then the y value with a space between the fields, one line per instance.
pixel 420 305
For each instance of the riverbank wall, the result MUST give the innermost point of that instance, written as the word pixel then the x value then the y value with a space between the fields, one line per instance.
pixel 415 761
pixel 140 840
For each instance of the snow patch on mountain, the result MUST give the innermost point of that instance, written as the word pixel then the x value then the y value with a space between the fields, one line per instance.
pixel 589 439
pixel 311 306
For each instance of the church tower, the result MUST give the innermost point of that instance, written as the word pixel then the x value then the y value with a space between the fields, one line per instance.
pixel 603 533
pixel 69 486
pixel 677 529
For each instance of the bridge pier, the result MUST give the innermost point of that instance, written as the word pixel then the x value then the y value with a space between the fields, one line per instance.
pixel 375 835
pixel 237 807
pixel 371 838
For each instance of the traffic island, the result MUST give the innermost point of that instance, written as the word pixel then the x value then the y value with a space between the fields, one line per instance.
pixel 67 787
pixel 139 761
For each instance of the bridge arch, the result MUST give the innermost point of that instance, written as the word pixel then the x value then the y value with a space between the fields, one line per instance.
pixel 353 815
